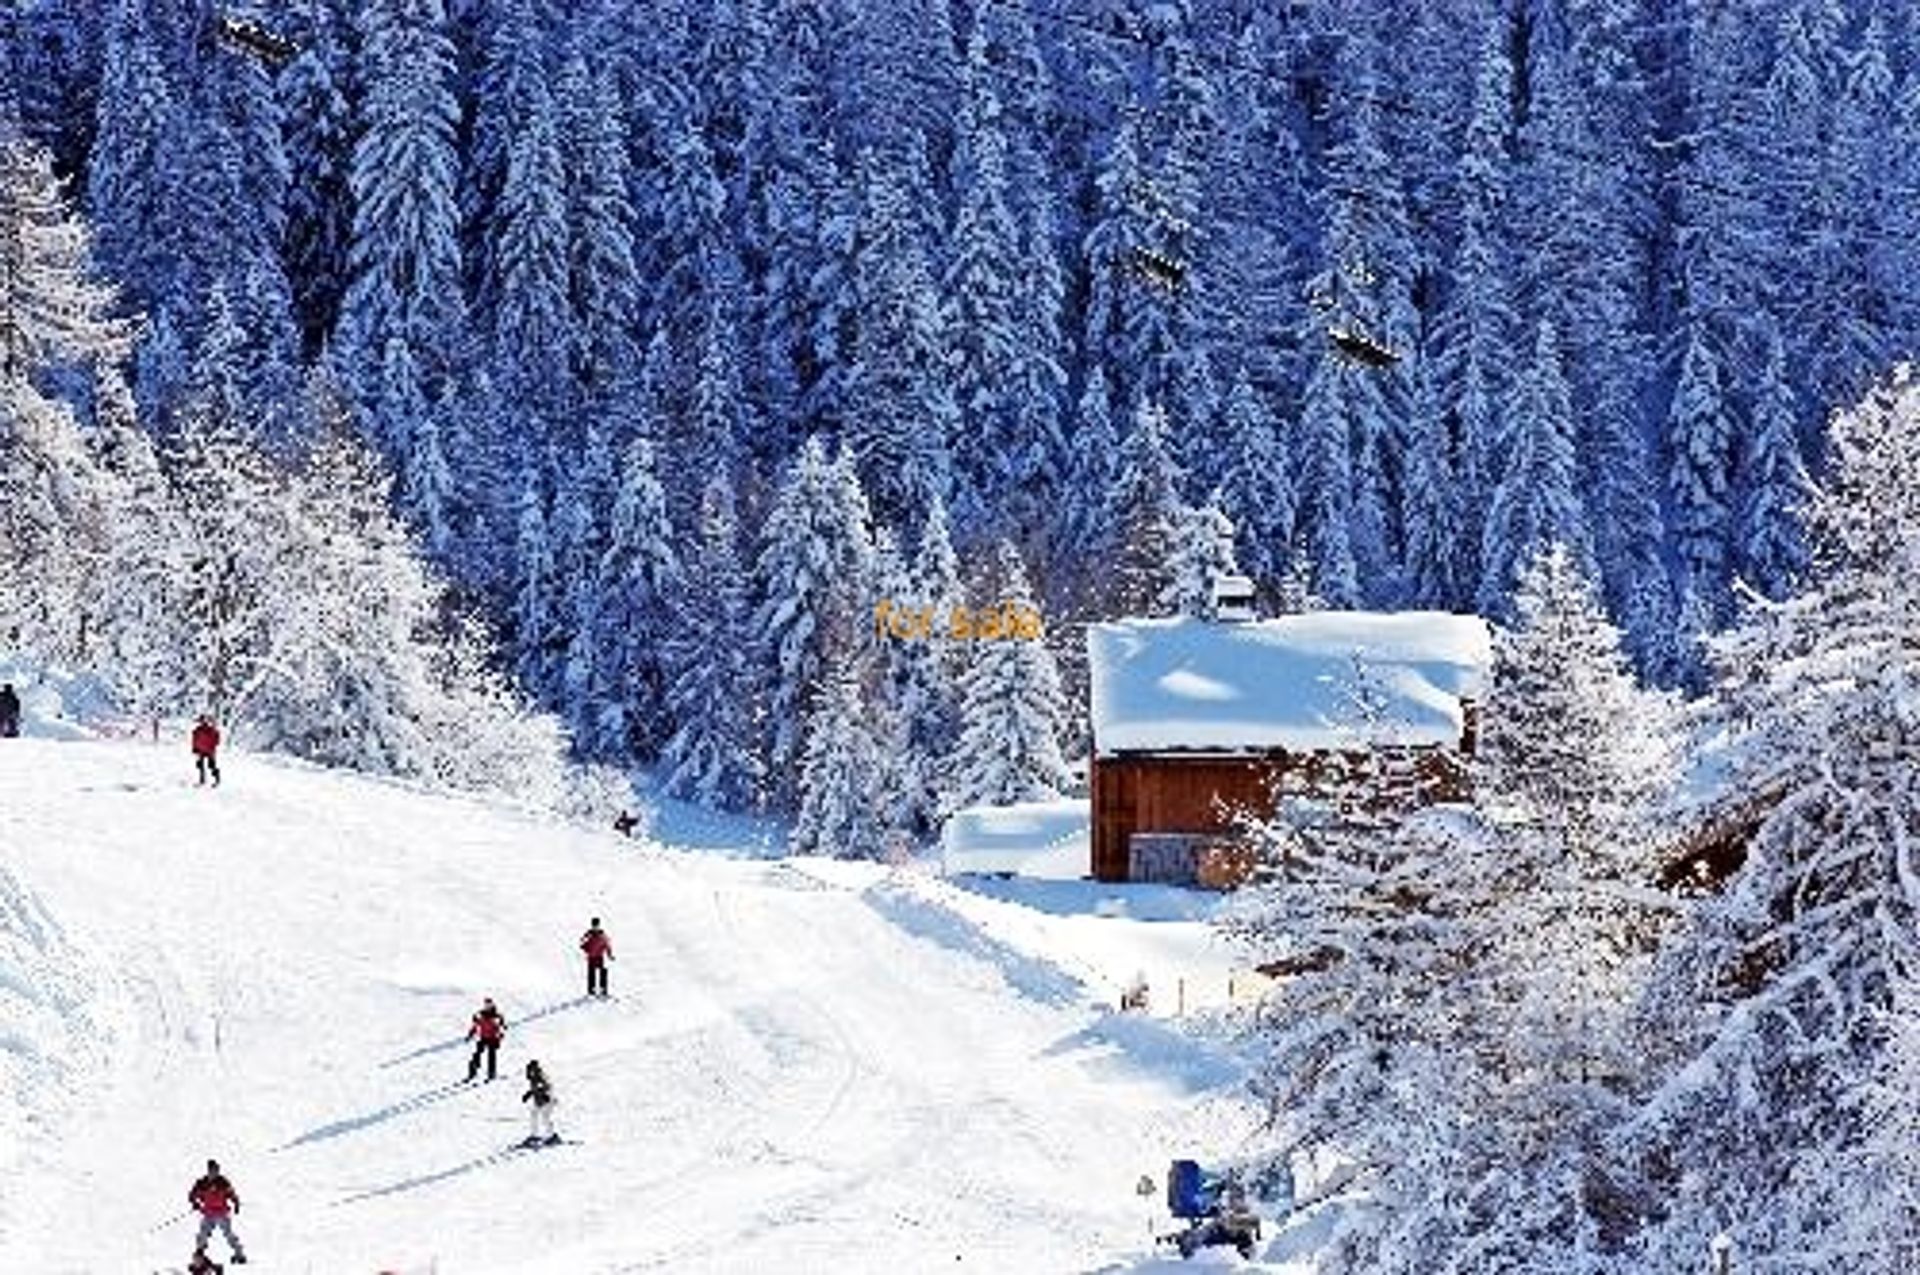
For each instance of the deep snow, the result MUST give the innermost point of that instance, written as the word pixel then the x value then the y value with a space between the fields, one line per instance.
pixel 807 1066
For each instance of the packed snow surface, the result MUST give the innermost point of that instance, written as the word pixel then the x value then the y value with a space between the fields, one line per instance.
pixel 806 1066
pixel 1294 682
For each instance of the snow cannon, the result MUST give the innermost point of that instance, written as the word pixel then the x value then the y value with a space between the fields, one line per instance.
pixel 1190 1191
pixel 1214 1206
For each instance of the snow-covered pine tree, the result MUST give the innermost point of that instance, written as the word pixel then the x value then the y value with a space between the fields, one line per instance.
pixel 1700 477
pixel 1769 1023
pixel 1431 515
pixel 918 695
pixel 604 281
pixel 1144 512
pixel 529 275
pixel 1364 287
pixel 404 262
pixel 510 83
pixel 1256 491
pixel 1130 269
pixel 131 167
pixel 714 754
pixel 1537 501
pixel 814 594
pixel 1474 325
pixel 710 432
pixel 1252 305
pixel 429 496
pixel 843 772
pixel 1091 465
pixel 1201 553
pixel 1326 487
pixel 539 641
pixel 582 504
pixel 1011 710
pixel 636 581
pixel 1849 219
pixel 902 412
pixel 787 183
pixel 1771 554
pixel 981 283
pixel 319 153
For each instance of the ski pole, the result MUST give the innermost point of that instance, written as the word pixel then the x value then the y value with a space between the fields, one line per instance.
pixel 181 1216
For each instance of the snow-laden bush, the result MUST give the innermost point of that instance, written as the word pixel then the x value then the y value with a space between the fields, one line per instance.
pixel 1781 1024
pixel 1453 1022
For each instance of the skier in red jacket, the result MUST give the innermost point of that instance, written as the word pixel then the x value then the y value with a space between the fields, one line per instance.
pixel 206 742
pixel 599 950
pixel 217 1203
pixel 486 1033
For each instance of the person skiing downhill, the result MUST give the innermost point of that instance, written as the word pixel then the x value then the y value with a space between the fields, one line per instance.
pixel 599 950
pixel 486 1032
pixel 540 1094
pixel 206 742
pixel 218 1203
pixel 9 712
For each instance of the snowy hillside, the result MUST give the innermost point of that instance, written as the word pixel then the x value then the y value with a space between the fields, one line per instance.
pixel 802 1069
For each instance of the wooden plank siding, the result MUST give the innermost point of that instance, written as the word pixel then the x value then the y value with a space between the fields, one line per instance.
pixel 1201 792
pixel 1162 793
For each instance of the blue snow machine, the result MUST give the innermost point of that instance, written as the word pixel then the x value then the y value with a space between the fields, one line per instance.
pixel 1213 1206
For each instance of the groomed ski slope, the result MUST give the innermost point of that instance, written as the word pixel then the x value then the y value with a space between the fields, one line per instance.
pixel 806 1067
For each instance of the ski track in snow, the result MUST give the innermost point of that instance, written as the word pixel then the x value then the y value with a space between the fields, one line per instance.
pixel 795 1073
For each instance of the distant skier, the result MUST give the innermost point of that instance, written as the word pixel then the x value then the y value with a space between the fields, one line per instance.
pixel 218 1204
pixel 206 743
pixel 486 1033
pixel 599 950
pixel 9 712
pixel 625 822
pixel 540 1115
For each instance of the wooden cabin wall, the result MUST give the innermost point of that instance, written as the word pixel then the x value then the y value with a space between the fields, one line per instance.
pixel 1194 793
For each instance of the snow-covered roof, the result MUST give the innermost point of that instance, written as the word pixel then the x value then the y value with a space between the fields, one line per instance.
pixel 1188 685
pixel 1032 838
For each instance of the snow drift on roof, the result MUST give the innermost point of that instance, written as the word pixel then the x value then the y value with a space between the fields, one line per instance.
pixel 1033 838
pixel 1191 686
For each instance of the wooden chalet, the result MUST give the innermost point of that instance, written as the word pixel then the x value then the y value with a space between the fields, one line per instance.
pixel 1196 722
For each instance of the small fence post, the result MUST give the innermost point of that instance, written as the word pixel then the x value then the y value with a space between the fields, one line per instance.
pixel 1721 1248
pixel 1180 997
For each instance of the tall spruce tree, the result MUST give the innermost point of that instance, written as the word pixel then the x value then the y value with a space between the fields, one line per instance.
pixel 1011 710
pixel 713 755
pixel 404 264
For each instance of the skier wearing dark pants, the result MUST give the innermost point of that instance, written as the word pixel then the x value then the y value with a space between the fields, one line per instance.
pixel 9 712
pixel 206 743
pixel 218 1203
pixel 486 1032
pixel 599 950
